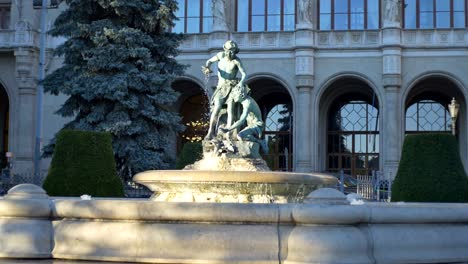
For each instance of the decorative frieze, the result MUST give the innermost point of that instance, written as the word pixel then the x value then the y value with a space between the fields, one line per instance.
pixel 425 38
pixel 344 39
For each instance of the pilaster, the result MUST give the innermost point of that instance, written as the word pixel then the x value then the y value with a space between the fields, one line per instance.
pixel 26 70
pixel 391 81
pixel 304 109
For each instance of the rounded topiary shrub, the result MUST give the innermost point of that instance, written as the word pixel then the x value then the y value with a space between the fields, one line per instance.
pixel 430 170
pixel 190 153
pixel 83 163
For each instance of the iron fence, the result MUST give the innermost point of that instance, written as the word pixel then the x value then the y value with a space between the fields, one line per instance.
pixel 375 187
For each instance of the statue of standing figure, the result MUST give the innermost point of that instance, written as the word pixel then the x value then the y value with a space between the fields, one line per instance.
pixel 228 66
pixel 234 94
pixel 219 15
pixel 304 12
pixel 392 12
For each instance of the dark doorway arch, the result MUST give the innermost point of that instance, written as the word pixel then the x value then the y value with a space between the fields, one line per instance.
pixel 353 138
pixel 4 125
pixel 277 109
pixel 193 106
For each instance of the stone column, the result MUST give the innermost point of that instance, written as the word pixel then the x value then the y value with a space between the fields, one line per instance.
pixel 26 70
pixel 391 80
pixel 303 111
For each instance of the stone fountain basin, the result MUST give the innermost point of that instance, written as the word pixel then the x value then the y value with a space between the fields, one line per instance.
pixel 232 186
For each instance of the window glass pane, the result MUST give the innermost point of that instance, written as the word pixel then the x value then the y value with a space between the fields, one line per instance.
pixel 207 24
pixel 193 25
pixel 273 23
pixel 325 22
pixel 373 145
pixel 179 26
pixel 207 8
pixel 411 118
pixel 426 20
pixel 372 14
pixel 193 8
pixel 357 21
pixel 458 5
pixel 357 14
pixel 341 6
pixel 258 23
pixel 258 7
pixel 289 7
pixel 347 143
pixel 274 7
pixel 357 6
pixel 289 23
pixel 360 143
pixel 242 14
pixel 459 19
pixel 426 6
pixel 181 11
pixel 410 14
pixel 443 19
pixel 442 5
pixel 341 21
pixel 325 6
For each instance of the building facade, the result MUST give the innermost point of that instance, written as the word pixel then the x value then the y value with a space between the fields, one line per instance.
pixel 340 82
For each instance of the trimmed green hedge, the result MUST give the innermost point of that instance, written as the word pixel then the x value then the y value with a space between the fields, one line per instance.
pixel 190 153
pixel 430 170
pixel 83 163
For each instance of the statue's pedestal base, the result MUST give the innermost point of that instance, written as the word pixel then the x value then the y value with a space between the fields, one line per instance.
pixel 232 149
pixel 224 162
pixel 225 155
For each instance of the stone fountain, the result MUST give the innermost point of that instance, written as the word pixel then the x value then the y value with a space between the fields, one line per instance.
pixel 232 169
pixel 192 228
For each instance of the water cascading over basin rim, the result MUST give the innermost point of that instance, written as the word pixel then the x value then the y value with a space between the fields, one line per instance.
pixel 232 186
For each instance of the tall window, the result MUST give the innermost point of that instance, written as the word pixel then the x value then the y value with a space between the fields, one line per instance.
pixel 434 13
pixel 265 15
pixel 349 14
pixel 194 16
pixel 4 16
pixel 353 136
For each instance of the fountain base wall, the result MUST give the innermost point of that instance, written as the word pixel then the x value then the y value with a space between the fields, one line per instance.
pixel 157 232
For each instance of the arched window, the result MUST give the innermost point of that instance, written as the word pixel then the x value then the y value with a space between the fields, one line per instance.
pixel 195 16
pixel 349 14
pixel 434 14
pixel 427 116
pixel 265 15
pixel 276 105
pixel 353 135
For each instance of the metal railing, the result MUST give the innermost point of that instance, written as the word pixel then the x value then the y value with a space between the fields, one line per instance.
pixel 375 187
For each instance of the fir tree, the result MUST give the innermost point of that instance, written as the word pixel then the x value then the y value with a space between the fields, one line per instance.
pixel 119 63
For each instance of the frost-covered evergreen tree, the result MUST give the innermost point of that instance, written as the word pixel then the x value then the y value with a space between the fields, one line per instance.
pixel 117 71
